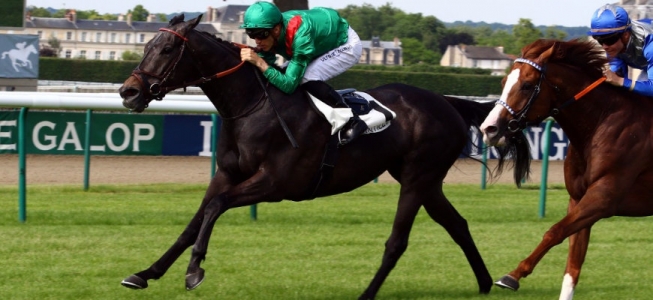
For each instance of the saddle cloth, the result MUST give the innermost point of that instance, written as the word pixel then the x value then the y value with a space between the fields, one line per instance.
pixel 372 112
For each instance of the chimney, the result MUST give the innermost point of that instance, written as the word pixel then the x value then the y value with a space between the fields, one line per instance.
pixel 209 14
pixel 500 49
pixel 240 17
pixel 129 19
pixel 28 16
pixel 121 17
pixel 396 42
pixel 72 16
pixel 214 15
pixel 151 18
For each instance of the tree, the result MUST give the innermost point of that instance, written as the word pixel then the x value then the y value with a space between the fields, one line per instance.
pixel 414 52
pixel 39 12
pixel 552 33
pixel 454 37
pixel 139 13
pixel 525 33
pixel 55 44
pixel 129 55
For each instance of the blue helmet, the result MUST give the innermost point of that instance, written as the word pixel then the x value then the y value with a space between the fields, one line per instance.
pixel 609 19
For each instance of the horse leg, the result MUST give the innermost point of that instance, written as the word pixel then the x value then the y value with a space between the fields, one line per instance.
pixel 248 192
pixel 443 212
pixel 580 216
pixel 185 240
pixel 578 243
pixel 409 204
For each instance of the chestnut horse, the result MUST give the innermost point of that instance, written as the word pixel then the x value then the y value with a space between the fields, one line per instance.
pixel 257 162
pixel 608 170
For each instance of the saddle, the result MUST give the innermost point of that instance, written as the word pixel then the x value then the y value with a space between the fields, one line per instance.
pixel 373 113
pixel 358 104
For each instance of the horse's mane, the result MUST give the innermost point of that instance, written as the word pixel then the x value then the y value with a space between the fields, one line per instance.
pixel 585 55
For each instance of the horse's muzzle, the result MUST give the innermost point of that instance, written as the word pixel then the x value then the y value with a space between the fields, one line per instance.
pixel 132 99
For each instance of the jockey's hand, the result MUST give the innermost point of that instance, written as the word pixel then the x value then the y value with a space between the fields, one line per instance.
pixel 249 55
pixel 613 78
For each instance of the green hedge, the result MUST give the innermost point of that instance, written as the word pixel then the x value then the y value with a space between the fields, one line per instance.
pixel 446 84
pixel 85 70
pixel 359 77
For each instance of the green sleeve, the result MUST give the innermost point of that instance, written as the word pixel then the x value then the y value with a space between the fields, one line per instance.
pixel 288 81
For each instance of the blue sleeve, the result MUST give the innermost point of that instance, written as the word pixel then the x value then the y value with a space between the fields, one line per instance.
pixel 644 86
pixel 618 66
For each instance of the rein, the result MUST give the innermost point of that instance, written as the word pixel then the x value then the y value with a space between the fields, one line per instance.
pixel 156 89
pixel 518 123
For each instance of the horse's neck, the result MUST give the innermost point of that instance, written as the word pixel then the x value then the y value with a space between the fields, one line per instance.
pixel 585 118
pixel 236 93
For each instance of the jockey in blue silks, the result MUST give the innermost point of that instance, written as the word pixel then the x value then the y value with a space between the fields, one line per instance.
pixel 627 43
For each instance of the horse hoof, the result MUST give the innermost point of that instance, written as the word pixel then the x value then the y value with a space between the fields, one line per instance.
pixel 194 280
pixel 134 282
pixel 508 282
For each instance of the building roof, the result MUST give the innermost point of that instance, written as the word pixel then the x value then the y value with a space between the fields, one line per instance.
pixel 475 52
pixel 376 42
pixel 230 14
pixel 104 25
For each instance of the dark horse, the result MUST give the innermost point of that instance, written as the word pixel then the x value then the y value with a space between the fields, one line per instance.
pixel 608 169
pixel 257 162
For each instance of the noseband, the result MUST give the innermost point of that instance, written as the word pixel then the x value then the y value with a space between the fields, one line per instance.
pixel 157 90
pixel 518 122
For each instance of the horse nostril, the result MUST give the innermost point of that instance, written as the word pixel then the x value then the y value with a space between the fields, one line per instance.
pixel 128 92
pixel 490 129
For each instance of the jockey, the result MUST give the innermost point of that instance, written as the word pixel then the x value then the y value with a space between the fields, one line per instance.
pixel 318 44
pixel 626 43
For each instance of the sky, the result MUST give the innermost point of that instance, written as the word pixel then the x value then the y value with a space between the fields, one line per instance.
pixel 567 13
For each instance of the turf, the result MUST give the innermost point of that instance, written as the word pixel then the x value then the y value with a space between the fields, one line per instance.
pixel 80 245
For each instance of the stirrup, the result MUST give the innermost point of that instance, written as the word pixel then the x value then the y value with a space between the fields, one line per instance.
pixel 354 128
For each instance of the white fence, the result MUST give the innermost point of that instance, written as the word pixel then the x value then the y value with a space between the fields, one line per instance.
pixel 103 101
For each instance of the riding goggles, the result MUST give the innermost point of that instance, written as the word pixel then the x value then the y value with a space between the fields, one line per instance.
pixel 608 40
pixel 258 34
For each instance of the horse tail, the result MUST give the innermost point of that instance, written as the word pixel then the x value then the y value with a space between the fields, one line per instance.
pixel 4 54
pixel 516 147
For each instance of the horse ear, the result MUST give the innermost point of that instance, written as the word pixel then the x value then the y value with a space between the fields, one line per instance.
pixel 195 21
pixel 554 51
pixel 176 19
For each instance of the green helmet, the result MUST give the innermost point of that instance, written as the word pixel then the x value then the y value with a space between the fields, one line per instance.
pixel 261 15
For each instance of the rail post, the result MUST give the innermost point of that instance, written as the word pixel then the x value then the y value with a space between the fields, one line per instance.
pixel 22 201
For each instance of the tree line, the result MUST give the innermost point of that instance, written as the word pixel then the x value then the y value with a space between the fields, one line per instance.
pixel 424 39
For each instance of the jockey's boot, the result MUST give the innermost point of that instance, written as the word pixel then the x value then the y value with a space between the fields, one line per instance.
pixel 323 91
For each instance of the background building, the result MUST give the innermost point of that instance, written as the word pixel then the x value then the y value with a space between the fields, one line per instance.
pixel 108 40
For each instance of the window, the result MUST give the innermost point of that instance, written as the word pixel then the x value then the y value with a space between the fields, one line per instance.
pixel 82 54
pixel 68 53
pixel 40 33
pixel 141 38
pixel 98 54
pixel 127 37
pixel 243 39
pixel 69 35
pixel 230 36
pixel 98 37
pixel 112 55
pixel 83 39
pixel 113 37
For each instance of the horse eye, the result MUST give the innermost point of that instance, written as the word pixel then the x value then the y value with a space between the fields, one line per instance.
pixel 167 49
pixel 527 86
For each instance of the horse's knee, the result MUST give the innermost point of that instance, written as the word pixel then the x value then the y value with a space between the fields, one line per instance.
pixel 394 249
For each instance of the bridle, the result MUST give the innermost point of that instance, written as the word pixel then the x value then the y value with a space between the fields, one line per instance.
pixel 158 91
pixel 518 122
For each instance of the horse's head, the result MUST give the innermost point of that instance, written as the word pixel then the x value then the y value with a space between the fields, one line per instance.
pixel 548 74
pixel 165 65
